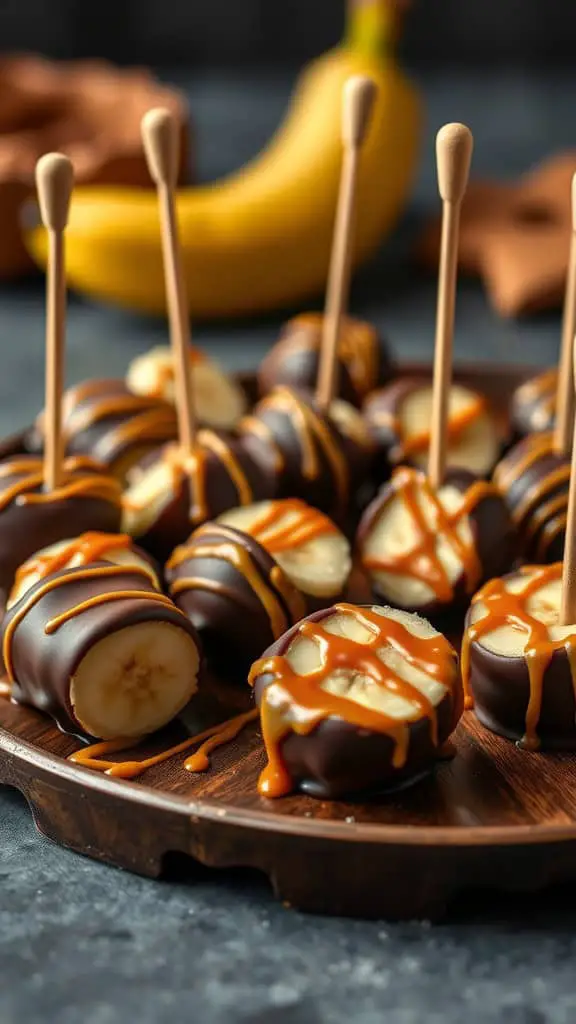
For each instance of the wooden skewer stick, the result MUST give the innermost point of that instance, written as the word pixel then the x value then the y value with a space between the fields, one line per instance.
pixel 568 602
pixel 54 183
pixel 161 141
pixel 565 390
pixel 358 100
pixel 454 144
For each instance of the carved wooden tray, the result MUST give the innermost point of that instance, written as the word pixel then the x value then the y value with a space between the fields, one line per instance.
pixel 492 817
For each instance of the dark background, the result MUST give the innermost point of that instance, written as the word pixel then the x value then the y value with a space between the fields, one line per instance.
pixel 191 32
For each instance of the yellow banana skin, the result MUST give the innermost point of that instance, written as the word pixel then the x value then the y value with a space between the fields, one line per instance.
pixel 259 239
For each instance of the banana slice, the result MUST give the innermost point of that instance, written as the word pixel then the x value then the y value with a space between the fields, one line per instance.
pixel 518 663
pixel 69 554
pixel 355 697
pixel 100 649
pixel 427 550
pixel 399 418
pixel 307 545
pixel 135 681
pixel 220 401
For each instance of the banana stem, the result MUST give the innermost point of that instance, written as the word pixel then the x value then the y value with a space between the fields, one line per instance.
pixel 372 25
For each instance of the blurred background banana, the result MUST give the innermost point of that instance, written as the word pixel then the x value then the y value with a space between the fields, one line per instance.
pixel 260 239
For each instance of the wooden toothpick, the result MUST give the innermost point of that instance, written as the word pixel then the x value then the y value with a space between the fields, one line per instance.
pixel 54 183
pixel 160 136
pixel 565 389
pixel 358 100
pixel 454 145
pixel 568 601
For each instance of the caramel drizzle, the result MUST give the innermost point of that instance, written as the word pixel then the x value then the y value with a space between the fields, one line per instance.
pixel 311 429
pixel 504 608
pixel 357 347
pixel 220 543
pixel 5 689
pixel 93 602
pixel 536 510
pixel 210 739
pixel 277 532
pixel 210 440
pixel 91 485
pixel 83 573
pixel 90 547
pixel 409 446
pixel 305 703
pixel 422 562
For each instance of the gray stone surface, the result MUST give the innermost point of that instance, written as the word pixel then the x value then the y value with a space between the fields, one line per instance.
pixel 79 941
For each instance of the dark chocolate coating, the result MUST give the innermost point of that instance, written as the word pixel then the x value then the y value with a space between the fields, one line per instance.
pixel 294 360
pixel 102 438
pixel 388 400
pixel 501 689
pixel 233 623
pixel 536 547
pixel 24 529
pixel 338 759
pixel 44 664
pixel 494 536
pixel 173 525
pixel 322 489
pixel 532 412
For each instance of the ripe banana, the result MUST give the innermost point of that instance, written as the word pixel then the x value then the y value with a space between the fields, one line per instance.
pixel 261 238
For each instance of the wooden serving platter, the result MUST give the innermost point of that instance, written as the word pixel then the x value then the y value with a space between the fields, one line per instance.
pixel 493 816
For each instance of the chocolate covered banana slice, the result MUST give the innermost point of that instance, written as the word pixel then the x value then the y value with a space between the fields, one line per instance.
pixel 176 492
pixel 101 650
pixel 363 359
pixel 311 550
pixel 399 418
pixel 355 698
pixel 219 400
pixel 518 664
pixel 428 551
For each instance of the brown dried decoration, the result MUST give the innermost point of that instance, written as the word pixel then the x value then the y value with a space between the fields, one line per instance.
pixel 89 110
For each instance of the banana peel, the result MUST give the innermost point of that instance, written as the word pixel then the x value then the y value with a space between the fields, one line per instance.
pixel 260 239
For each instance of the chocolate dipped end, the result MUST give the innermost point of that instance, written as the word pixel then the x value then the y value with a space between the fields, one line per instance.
pixel 364 361
pixel 493 540
pixel 133 662
pixel 235 594
pixel 338 759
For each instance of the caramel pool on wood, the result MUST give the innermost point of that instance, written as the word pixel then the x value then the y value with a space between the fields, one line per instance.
pixel 493 816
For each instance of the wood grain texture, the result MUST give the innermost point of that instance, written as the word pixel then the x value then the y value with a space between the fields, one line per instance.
pixel 491 817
